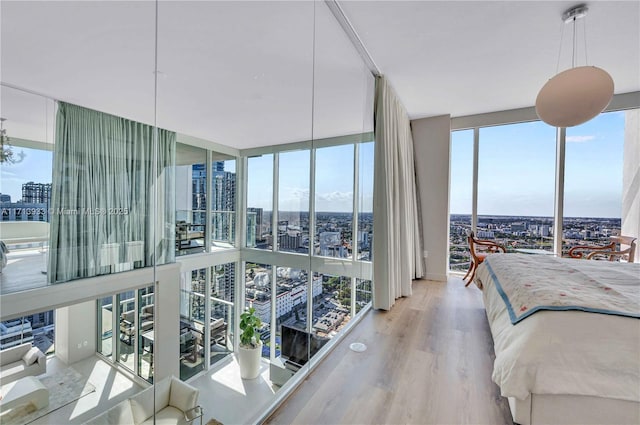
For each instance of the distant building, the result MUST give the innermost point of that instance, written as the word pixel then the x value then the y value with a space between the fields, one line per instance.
pixel 486 234
pixel 36 193
pixel 4 198
pixel 198 194
pixel 258 230
pixel 223 203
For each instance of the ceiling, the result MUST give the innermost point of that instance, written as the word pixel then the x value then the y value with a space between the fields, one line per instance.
pixel 249 74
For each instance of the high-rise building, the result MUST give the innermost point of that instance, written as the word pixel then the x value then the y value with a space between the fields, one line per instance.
pixel 259 230
pixel 198 193
pixel 223 203
pixel 36 193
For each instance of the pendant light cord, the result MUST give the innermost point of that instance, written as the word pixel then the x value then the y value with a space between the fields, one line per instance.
pixel 560 49
pixel 575 42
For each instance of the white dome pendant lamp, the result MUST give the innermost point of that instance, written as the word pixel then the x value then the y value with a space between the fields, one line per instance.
pixel 578 94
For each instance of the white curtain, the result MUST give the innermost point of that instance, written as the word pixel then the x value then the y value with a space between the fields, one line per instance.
pixel 396 249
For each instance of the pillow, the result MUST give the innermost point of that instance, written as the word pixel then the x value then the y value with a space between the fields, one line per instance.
pixel 183 396
pixel 31 356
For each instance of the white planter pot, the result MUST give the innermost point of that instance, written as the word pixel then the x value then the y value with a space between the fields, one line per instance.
pixel 249 360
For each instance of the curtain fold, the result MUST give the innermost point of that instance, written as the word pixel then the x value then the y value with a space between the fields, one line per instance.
pixel 105 216
pixel 397 256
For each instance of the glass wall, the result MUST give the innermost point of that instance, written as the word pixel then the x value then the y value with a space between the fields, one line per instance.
pixel 222 323
pixel 516 184
pixel 258 295
pixel 259 201
pixel 145 327
pixel 105 326
pixel 334 201
pixel 365 200
pixel 460 198
pixel 125 302
pixel 223 202
pixel 37 329
pixel 192 320
pixel 293 201
pixel 593 200
pixel 191 199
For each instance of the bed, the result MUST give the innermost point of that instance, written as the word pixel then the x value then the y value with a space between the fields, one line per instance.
pixel 566 336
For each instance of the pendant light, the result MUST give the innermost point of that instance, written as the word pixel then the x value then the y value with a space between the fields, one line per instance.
pixel 578 94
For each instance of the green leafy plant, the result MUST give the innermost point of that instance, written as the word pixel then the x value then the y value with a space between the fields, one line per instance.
pixel 250 326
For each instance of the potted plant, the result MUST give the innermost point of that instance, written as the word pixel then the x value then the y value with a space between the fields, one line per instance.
pixel 250 350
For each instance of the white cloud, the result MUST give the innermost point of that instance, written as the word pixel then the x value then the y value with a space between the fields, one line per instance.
pixel 335 196
pixel 580 139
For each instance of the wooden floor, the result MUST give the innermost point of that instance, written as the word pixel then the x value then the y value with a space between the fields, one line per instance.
pixel 429 361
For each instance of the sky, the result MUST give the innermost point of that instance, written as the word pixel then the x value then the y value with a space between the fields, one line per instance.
pixel 334 180
pixel 516 169
pixel 516 172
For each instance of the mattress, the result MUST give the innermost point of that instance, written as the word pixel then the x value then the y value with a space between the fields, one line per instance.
pixel 561 352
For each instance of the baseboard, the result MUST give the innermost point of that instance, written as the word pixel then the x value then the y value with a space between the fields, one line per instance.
pixel 436 276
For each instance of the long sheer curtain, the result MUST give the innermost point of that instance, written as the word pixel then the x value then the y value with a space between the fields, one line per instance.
pixel 396 249
pixel 105 216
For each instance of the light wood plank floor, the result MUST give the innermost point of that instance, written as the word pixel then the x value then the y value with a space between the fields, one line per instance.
pixel 429 361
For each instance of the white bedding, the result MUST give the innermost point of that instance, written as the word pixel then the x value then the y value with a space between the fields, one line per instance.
pixel 563 352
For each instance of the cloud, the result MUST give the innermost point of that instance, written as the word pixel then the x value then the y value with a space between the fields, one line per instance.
pixel 335 196
pixel 580 139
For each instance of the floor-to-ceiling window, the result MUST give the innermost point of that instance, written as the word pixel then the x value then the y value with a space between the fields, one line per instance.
pixel 593 180
pixel 516 184
pixel 460 198
pixel 516 164
pixel 293 202
pixel 334 201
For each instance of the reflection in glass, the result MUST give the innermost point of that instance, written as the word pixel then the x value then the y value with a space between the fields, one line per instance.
pixel 221 325
pixel 291 312
pixel 105 326
pixel 146 331
pixel 460 198
pixel 127 321
pixel 258 295
pixel 223 203
pixel 334 201
pixel 191 199
pixel 363 293
pixel 192 315
pixel 259 201
pixel 331 308
pixel 293 201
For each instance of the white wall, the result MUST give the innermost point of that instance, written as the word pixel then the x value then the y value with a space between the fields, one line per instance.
pixel 431 138
pixel 631 177
pixel 75 332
